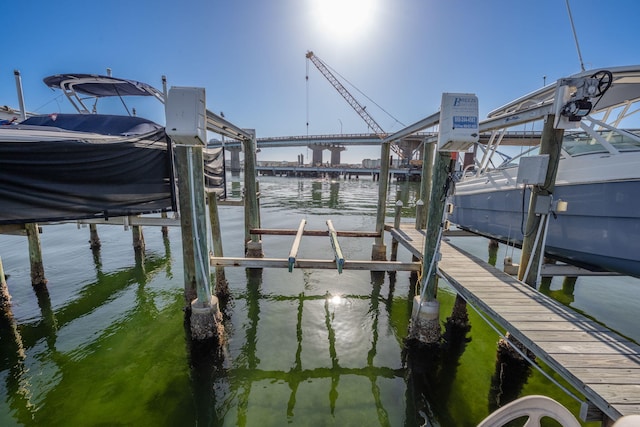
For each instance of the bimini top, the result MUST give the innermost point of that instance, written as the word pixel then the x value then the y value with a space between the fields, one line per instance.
pixel 98 86
pixel 624 89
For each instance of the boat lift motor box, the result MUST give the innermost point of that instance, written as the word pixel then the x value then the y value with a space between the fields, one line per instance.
pixel 186 114
pixel 458 122
pixel 532 170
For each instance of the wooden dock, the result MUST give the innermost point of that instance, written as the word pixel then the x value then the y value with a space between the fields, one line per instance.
pixel 600 364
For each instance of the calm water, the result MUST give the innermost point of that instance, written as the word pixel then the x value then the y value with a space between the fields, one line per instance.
pixel 106 345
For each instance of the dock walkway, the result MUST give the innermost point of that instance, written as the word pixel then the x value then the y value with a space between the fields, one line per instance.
pixel 600 364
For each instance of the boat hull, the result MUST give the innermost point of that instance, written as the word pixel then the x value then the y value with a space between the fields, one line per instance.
pixel 600 228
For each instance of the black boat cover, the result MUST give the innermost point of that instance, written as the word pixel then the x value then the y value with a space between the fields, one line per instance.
pixel 77 179
pixel 104 124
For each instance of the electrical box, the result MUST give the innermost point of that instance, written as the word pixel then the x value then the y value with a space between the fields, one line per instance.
pixel 186 114
pixel 532 170
pixel 543 205
pixel 458 128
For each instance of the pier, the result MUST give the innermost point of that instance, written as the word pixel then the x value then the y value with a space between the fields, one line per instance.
pixel 600 364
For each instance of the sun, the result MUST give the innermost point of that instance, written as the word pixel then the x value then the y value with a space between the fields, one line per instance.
pixel 344 19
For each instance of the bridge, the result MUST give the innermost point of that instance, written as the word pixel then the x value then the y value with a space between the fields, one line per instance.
pixel 411 145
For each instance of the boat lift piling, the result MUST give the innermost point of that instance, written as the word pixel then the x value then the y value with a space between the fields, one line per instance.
pixel 185 118
pixel 35 255
pixel 253 244
pixel 428 158
pixel 379 250
pixel 222 286
pixel 532 247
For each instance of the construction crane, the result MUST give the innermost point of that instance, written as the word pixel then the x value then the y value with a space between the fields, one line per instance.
pixel 362 112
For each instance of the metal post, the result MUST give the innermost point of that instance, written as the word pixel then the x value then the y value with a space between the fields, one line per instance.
pixel 23 110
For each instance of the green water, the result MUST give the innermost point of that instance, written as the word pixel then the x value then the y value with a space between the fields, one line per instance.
pixel 106 345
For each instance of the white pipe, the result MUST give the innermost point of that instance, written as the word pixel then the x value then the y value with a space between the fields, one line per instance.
pixel 544 244
pixel 23 111
pixel 535 246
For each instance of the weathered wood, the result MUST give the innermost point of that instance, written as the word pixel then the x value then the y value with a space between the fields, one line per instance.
pixel 293 232
pixel 428 158
pixel 250 185
pixel 13 229
pixel 396 224
pixel 296 244
pixel 94 238
pixel 5 298
pixel 337 251
pixel 589 356
pixel 550 143
pixel 222 286
pixel 379 251
pixel 189 167
pixel 35 255
pixel 315 263
pixel 134 220
pixel 434 224
pixel 592 358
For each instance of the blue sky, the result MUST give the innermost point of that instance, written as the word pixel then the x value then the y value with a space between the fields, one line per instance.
pixel 249 55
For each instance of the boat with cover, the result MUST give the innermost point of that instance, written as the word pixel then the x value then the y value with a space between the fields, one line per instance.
pixel 85 165
pixel 594 221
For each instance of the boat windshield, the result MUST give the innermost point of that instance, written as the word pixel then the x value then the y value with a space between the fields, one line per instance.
pixel 515 161
pixel 577 143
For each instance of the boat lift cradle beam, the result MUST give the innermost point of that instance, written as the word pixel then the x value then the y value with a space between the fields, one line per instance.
pixel 339 262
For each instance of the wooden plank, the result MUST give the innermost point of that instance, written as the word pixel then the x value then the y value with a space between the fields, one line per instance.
pixel 327 264
pixel 570 343
pixel 608 375
pixel 592 358
pixel 337 251
pixel 571 336
pixel 618 393
pixel 296 244
pixel 316 233
pixel 585 349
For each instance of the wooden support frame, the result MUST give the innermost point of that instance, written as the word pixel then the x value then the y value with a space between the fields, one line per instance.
pixel 324 264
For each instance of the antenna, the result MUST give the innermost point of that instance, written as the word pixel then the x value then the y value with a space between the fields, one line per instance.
pixel 575 36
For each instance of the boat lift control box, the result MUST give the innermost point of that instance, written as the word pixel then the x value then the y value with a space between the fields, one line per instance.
pixel 532 170
pixel 186 114
pixel 459 128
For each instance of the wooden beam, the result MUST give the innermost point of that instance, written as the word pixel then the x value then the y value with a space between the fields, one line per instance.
pixel 293 232
pixel 336 246
pixel 327 264
pixel 296 245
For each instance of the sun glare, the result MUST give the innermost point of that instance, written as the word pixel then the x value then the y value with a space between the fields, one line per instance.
pixel 344 19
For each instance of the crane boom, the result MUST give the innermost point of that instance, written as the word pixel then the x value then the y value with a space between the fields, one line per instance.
pixel 362 112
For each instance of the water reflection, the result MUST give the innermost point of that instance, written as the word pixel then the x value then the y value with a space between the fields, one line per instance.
pixel 352 334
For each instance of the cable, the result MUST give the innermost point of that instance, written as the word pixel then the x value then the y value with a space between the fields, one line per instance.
pixel 575 36
pixel 362 93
